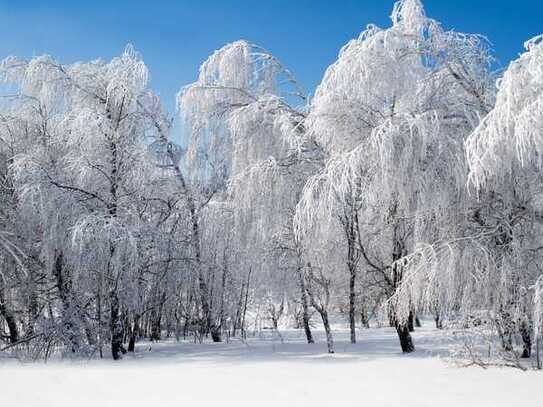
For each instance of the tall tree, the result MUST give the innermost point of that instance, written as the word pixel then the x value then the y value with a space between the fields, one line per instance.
pixel 392 113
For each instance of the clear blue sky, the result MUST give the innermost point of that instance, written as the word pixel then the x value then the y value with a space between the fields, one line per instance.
pixel 176 36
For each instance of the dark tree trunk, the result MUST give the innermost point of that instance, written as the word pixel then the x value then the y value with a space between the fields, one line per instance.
pixel 411 322
pixel 207 321
pixel 156 317
pixel 222 311
pixel 537 353
pixel 134 334
pixel 403 329
pixel 352 305
pixel 526 340
pixel 305 307
pixel 244 311
pixel 185 328
pixel 12 328
pixel 348 221
pixel 439 322
pixel 9 317
pixel 99 314
pixel 69 317
pixel 156 321
pixel 215 331
pixel 406 342
pixel 116 327
pixel 417 322
pixel 10 321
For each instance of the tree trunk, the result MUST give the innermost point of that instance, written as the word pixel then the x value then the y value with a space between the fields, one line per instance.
pixel 237 321
pixel 403 329
pixel 364 320
pixel 411 322
pixel 537 353
pixel 348 221
pixel 328 330
pixel 10 320
pixel 391 318
pixel 322 308
pixel 504 327
pixel 222 311
pixel 156 322
pixel 526 340
pixel 436 310
pixel 116 327
pixel 352 301
pixel 305 306
pixel 406 342
pixel 33 308
pixel 439 322
pixel 68 317
pixel 215 331
pixel 134 333
pixel 100 335
pixel 244 311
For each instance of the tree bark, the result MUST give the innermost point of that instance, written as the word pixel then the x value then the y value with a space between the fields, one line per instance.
pixel 398 251
pixel 322 308
pixel 134 333
pixel 64 287
pixel 244 311
pixel 305 306
pixel 439 322
pixel 215 331
pixel 237 321
pixel 10 319
pixel 352 303
pixel 353 256
pixel 116 327
pixel 156 318
pixel 526 340
pixel 411 322
pixel 328 331
pixel 406 342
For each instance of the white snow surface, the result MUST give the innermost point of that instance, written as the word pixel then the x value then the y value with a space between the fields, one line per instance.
pixel 266 371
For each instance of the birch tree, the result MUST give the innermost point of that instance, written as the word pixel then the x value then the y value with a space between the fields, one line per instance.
pixel 245 140
pixel 392 113
pixel 504 158
pixel 87 178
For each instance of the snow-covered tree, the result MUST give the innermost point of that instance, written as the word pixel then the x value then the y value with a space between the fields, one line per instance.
pixel 246 142
pixel 392 114
pixel 504 155
pixel 89 182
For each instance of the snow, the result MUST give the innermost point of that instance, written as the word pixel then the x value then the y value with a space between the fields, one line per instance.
pixel 265 371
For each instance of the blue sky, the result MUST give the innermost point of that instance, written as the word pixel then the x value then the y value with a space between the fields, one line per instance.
pixel 176 36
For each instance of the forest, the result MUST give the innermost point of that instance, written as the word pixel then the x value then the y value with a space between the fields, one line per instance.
pixel 407 189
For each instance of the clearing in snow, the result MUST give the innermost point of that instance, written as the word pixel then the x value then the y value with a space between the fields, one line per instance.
pixel 269 370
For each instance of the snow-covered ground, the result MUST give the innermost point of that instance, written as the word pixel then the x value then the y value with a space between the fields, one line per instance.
pixel 266 372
